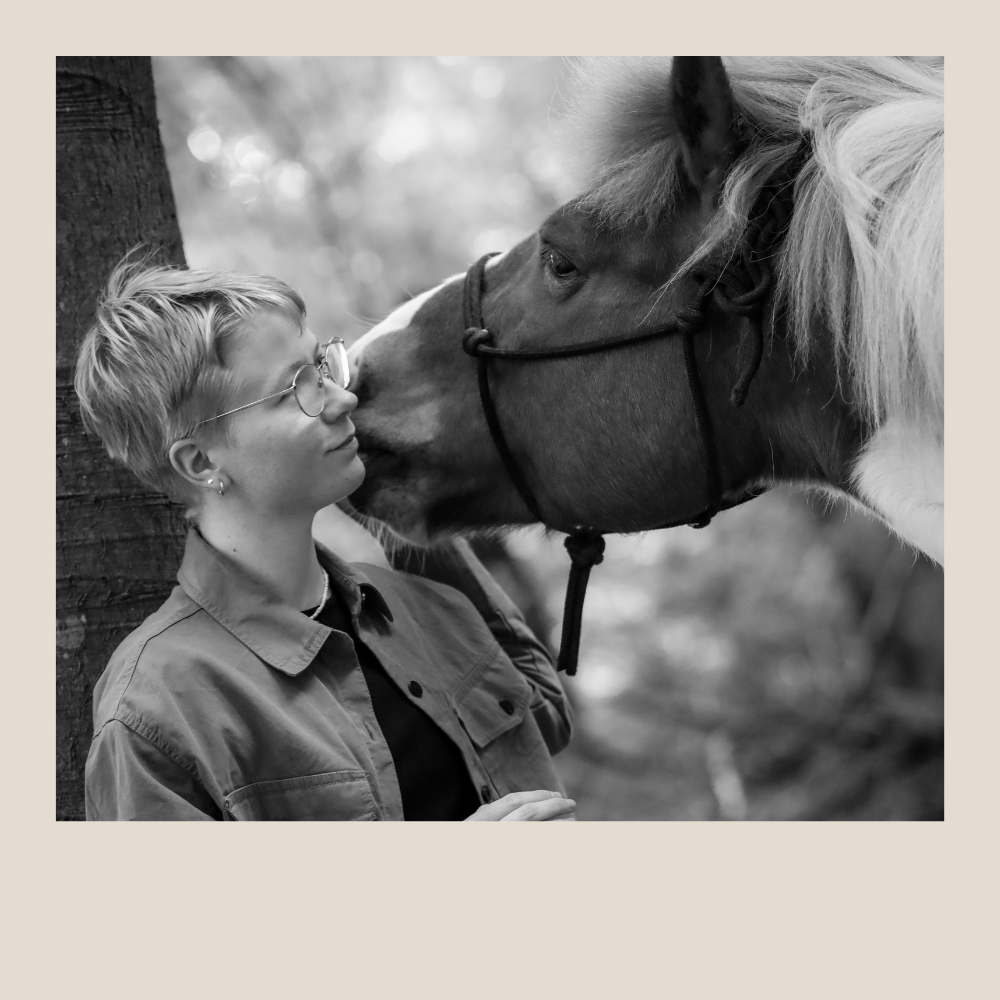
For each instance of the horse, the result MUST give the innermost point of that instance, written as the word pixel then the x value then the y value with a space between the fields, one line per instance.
pixel 703 391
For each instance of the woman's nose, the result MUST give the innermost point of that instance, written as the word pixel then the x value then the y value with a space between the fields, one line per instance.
pixel 338 401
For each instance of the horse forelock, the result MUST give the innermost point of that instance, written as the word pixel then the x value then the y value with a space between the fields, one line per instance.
pixel 865 252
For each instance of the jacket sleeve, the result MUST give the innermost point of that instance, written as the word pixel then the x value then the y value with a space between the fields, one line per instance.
pixel 454 564
pixel 128 778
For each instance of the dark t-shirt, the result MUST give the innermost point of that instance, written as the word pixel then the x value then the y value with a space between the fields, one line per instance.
pixel 433 779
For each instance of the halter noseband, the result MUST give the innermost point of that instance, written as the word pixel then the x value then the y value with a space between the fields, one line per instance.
pixel 740 289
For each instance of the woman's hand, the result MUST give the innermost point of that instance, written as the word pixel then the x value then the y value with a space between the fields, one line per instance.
pixel 538 805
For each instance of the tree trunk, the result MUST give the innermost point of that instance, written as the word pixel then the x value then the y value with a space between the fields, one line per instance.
pixel 117 544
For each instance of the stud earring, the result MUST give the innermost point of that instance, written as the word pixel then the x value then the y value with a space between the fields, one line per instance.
pixel 222 486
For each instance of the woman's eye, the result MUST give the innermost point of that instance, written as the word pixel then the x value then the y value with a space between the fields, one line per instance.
pixel 559 264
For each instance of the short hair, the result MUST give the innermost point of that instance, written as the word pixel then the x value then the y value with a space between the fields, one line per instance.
pixel 150 368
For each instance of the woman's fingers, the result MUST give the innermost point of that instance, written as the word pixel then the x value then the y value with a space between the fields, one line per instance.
pixel 544 809
pixel 510 803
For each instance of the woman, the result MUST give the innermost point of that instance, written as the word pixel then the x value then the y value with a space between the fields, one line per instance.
pixel 277 681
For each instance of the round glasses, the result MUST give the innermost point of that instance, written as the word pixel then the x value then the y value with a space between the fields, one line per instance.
pixel 307 383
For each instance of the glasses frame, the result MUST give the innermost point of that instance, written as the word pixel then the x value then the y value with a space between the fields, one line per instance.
pixel 333 342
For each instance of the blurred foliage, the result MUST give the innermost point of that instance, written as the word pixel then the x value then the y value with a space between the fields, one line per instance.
pixel 360 181
pixel 784 663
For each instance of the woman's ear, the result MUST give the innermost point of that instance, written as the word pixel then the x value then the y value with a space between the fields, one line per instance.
pixel 193 464
pixel 704 111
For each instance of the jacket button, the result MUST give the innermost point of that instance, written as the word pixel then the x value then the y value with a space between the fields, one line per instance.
pixel 415 689
pixel 485 794
pixel 507 706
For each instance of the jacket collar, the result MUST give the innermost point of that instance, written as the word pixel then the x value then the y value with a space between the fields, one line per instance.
pixel 279 634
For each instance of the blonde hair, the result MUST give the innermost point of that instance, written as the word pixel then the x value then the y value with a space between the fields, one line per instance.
pixel 865 252
pixel 150 368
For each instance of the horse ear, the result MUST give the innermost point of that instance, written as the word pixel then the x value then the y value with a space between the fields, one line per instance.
pixel 704 111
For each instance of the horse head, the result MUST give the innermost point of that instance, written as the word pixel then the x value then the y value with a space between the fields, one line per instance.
pixel 618 439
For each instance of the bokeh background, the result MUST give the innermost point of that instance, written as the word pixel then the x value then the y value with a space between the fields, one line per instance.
pixel 787 662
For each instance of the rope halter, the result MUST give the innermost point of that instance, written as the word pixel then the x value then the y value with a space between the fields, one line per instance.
pixel 741 289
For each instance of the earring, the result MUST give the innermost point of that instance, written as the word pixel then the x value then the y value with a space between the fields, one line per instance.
pixel 222 486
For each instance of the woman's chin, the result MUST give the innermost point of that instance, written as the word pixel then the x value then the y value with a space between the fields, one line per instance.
pixel 344 486
pixel 354 476
pixel 357 471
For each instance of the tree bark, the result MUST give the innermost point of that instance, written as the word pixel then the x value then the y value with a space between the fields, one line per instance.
pixel 118 545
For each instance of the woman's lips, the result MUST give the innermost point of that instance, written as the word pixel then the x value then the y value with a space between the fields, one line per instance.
pixel 347 443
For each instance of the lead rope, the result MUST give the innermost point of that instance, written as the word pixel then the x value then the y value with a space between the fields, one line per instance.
pixel 740 290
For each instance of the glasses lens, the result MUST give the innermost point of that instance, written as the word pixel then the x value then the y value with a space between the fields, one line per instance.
pixel 336 361
pixel 309 392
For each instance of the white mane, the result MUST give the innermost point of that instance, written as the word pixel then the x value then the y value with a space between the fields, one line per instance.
pixel 865 252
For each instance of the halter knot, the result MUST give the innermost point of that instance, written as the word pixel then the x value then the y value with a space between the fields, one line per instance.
pixel 474 338
pixel 585 547
pixel 733 300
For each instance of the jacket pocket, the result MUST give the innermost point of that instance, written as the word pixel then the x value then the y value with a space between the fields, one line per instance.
pixel 492 698
pixel 335 795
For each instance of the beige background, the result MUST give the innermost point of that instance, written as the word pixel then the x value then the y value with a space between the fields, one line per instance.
pixel 602 910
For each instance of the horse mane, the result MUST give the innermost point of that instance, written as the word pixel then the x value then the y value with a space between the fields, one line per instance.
pixel 865 251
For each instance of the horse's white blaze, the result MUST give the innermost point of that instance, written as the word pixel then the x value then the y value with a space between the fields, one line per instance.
pixel 493 261
pixel 401 317
pixel 421 423
pixel 398 319
pixel 901 475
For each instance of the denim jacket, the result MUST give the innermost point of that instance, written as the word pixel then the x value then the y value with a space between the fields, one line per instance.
pixel 211 709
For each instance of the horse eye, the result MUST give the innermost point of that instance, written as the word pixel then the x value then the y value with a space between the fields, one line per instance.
pixel 559 264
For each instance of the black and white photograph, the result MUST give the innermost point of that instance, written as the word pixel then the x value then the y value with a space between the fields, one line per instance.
pixel 500 438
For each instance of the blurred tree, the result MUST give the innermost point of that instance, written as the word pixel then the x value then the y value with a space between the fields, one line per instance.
pixel 117 544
